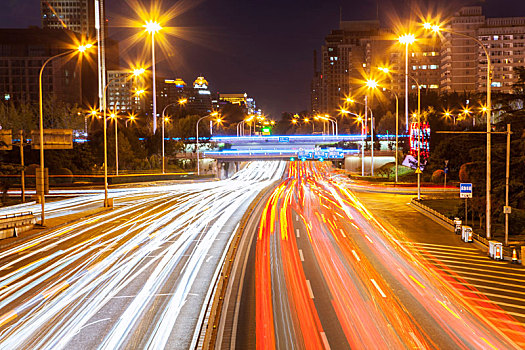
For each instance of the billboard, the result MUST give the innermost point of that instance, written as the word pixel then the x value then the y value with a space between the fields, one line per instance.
pixel 53 139
pixel 424 131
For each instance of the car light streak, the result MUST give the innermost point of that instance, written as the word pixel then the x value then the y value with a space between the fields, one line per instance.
pixel 100 257
pixel 344 237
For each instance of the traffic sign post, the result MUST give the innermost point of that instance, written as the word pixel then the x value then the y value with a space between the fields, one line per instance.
pixel 465 191
pixel 446 172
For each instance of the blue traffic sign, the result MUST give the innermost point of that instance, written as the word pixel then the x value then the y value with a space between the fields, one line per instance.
pixel 284 139
pixel 465 190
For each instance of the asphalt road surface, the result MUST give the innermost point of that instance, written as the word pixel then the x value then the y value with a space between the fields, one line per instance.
pixel 134 277
pixel 326 269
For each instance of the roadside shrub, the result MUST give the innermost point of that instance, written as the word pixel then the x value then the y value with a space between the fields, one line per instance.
pixel 438 176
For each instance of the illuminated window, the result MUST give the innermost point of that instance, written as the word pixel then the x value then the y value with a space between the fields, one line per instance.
pixel 433 66
pixel 434 86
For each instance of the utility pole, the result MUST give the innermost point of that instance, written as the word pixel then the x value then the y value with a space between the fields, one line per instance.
pixel 506 209
pixel 22 177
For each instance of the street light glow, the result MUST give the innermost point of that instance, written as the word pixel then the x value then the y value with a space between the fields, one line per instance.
pixel 407 39
pixel 182 101
pixel 372 84
pixel 152 27
pixel 138 71
pixel 83 48
pixel 384 69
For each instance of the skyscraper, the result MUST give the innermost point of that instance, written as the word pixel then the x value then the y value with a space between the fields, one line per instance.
pixel 75 15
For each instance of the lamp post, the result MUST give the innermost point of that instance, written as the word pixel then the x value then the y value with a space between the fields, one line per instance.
pixel 197 139
pixel 153 27
pixel 406 39
pixel 397 121
pixel 135 73
pixel 131 118
pixel 418 170
pixel 365 104
pixel 488 110
pixel 81 49
pixel 115 120
pixel 180 102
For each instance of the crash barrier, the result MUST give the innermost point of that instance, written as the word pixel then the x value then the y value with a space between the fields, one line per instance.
pixel 13 224
pixel 505 251
pixel 466 234
pixel 496 250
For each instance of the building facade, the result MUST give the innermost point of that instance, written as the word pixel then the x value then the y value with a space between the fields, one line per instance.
pixel 75 15
pixel 22 54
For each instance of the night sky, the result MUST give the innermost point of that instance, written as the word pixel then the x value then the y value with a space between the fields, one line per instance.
pixel 262 47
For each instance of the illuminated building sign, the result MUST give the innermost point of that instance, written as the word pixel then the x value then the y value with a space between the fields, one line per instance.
pixel 424 139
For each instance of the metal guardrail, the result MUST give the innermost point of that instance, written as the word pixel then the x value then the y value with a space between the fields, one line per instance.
pixel 12 224
pixel 507 251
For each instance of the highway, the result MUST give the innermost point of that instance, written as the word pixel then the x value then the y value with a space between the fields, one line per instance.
pixel 133 277
pixel 321 270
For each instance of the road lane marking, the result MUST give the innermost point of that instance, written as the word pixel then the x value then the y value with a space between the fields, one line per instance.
pixel 301 254
pixel 27 247
pixel 377 286
pixel 297 233
pixel 310 289
pixel 449 310
pixel 440 245
pixel 208 260
pixel 486 341
pixel 415 280
pixel 325 341
pixel 54 290
pixel 342 232
pixel 369 239
pixel 5 318
pixel 355 255
pixel 296 217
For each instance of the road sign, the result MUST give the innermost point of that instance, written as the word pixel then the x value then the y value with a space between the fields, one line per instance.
pixel 53 139
pixel 418 171
pixel 6 140
pixel 507 209
pixel 284 139
pixel 446 170
pixel 465 190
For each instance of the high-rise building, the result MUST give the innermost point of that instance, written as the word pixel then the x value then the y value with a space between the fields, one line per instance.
pixel 121 92
pixel 459 55
pixel 75 15
pixel 199 98
pixel 463 61
pixel 315 88
pixel 22 54
pixel 504 39
pixel 343 61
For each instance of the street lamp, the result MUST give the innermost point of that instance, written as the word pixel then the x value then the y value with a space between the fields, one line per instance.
pixel 436 28
pixel 114 116
pixel 418 170
pixel 180 102
pixel 213 114
pixel 365 104
pixel 135 73
pixel 131 118
pixel 373 84
pixel 406 39
pixel 79 49
pixel 153 27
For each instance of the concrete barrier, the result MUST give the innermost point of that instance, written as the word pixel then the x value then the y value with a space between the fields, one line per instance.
pixel 12 225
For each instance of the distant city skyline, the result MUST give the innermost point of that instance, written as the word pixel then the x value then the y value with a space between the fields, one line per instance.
pixel 263 48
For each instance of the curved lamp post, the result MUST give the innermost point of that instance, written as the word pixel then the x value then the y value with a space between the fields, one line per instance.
pixel 488 109
pixel 79 49
pixel 214 114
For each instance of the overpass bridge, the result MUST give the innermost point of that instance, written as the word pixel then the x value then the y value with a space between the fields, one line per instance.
pixel 232 150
